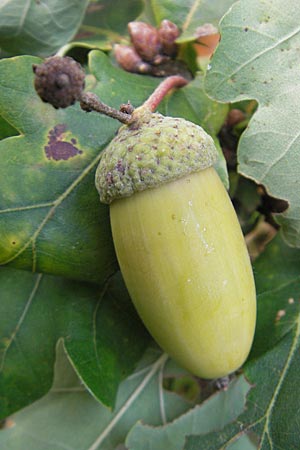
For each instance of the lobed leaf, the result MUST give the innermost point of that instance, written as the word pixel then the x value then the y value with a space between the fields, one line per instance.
pixel 38 27
pixel 51 217
pixel 258 58
pixel 101 332
pixel 213 414
pixel 141 396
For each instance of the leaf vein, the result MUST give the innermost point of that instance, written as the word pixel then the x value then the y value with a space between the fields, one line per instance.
pixel 26 208
pixel 21 319
pixel 154 368
pixel 279 288
pixel 293 348
pixel 258 55
pixel 95 322
pixel 161 395
pixel 190 15
pixel 23 17
pixel 280 157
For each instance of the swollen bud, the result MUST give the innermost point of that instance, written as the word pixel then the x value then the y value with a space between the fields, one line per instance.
pixel 129 60
pixel 145 40
pixel 59 81
pixel 168 32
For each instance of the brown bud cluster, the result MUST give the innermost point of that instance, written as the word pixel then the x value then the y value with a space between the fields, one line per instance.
pixel 59 81
pixel 168 33
pixel 153 50
pixel 130 60
pixel 145 40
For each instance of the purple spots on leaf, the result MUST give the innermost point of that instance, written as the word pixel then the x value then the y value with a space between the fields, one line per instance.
pixel 57 148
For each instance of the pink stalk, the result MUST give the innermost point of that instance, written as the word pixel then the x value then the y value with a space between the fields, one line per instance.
pixel 172 82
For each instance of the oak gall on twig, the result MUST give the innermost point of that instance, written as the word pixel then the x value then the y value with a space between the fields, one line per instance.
pixel 59 81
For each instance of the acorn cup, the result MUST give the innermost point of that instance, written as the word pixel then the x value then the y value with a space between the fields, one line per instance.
pixel 179 243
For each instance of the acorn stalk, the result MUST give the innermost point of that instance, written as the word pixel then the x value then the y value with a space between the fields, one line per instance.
pixel 179 243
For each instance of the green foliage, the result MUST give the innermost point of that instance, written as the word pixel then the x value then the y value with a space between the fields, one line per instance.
pixel 190 14
pixel 47 224
pixel 68 406
pixel 6 129
pixel 77 367
pixel 258 57
pixel 104 22
pixel 98 327
pixel 36 27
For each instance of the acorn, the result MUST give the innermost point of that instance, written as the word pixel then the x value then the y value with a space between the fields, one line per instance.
pixel 179 243
pixel 177 238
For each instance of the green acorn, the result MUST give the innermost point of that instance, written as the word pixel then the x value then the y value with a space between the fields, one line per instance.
pixel 177 238
pixel 179 243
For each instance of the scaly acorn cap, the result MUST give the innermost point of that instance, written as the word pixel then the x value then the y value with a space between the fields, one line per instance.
pixel 150 151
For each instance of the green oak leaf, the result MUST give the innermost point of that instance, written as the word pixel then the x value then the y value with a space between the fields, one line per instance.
pixel 6 130
pixel 213 414
pixel 258 58
pixel 141 397
pixel 100 330
pixel 277 275
pixel 271 417
pixel 190 15
pixel 247 201
pixel 51 217
pixel 105 22
pixel 38 27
